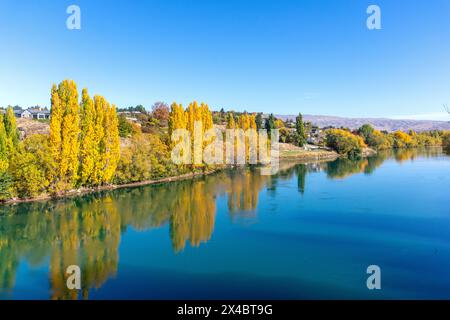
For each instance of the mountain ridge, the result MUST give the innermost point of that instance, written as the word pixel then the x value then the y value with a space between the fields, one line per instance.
pixel 378 123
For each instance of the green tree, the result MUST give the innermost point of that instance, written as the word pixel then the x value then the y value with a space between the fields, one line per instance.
pixel 366 132
pixel 258 120
pixel 270 124
pixel 300 129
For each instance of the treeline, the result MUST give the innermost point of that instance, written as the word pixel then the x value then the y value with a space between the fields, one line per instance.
pixel 352 143
pixel 89 145
pixel 82 149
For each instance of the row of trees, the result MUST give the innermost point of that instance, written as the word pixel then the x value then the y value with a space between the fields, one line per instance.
pixel 399 139
pixel 186 119
pixel 82 149
pixel 84 138
pixel 351 143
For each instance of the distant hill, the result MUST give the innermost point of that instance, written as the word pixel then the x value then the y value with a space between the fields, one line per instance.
pixel 378 123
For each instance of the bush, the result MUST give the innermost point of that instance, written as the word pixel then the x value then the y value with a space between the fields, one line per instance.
pixel 402 140
pixel 30 166
pixel 6 186
pixel 446 140
pixel 378 140
pixel 344 142
pixel 147 157
pixel 125 127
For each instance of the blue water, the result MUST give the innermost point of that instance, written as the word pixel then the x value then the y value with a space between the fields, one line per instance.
pixel 309 232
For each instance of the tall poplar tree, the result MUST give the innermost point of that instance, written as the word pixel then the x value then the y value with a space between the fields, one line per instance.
pixel 70 131
pixel 300 128
pixel 99 137
pixel 56 116
pixel 88 145
pixel 64 134
pixel 12 133
pixel 177 118
pixel 111 142
pixel 231 124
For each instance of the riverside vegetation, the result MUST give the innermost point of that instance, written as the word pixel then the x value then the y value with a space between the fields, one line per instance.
pixel 90 146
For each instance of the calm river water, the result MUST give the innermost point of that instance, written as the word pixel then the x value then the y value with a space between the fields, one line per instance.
pixel 309 232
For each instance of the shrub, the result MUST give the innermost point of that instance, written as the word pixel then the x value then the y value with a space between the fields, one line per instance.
pixel 378 140
pixel 446 140
pixel 125 127
pixel 344 142
pixel 402 140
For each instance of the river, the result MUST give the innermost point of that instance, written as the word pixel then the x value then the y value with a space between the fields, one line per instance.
pixel 308 232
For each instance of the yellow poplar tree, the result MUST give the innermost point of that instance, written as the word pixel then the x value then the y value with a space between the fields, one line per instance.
pixel 55 131
pixel 111 143
pixel 207 119
pixel 207 123
pixel 88 145
pixel 64 134
pixel 3 147
pixel 194 113
pixel 70 131
pixel 177 118
pixel 12 133
pixel 99 164
pixel 252 120
pixel 231 124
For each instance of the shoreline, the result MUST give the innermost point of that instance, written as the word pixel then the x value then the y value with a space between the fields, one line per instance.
pixel 84 191
pixel 297 156
pixel 320 155
pixel 309 155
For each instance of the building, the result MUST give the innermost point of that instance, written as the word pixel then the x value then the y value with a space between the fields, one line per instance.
pixel 18 111
pixel 37 113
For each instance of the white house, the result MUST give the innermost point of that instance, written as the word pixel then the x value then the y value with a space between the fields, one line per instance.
pixel 39 113
pixel 32 113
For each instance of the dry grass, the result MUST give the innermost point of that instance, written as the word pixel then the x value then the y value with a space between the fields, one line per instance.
pixel 28 127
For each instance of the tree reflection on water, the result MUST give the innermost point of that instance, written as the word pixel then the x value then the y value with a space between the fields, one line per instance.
pixel 86 230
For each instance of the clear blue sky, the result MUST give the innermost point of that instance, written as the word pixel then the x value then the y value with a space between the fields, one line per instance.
pixel 313 56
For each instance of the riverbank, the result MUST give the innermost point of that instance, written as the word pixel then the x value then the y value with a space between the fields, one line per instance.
pixel 291 152
pixel 287 153
pixel 82 191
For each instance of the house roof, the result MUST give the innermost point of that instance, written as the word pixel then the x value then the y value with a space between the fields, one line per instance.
pixel 38 111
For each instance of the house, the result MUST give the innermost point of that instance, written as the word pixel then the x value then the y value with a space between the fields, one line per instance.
pixel 18 111
pixel 38 113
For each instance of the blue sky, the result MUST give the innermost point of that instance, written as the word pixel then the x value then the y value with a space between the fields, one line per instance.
pixel 315 57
